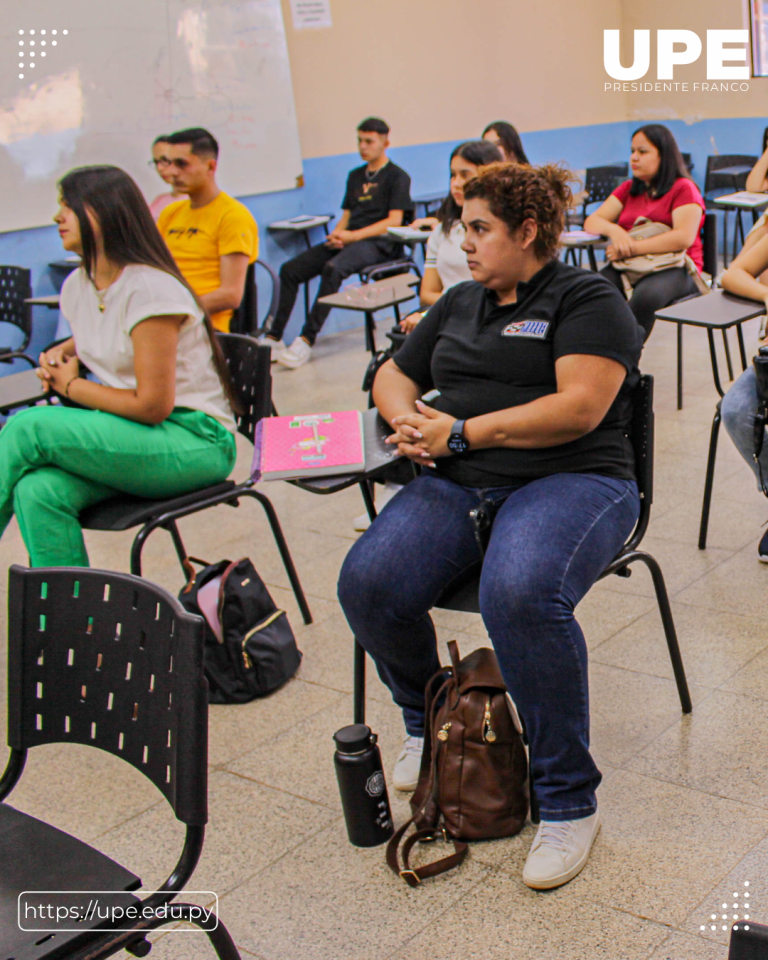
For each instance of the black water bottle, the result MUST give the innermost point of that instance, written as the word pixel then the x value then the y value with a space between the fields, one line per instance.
pixel 362 786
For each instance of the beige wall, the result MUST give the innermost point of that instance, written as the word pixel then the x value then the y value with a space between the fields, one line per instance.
pixel 699 16
pixel 441 69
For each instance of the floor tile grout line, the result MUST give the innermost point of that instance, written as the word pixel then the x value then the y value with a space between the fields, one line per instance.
pixel 288 793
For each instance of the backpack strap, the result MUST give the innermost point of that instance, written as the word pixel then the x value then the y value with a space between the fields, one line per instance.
pixel 414 875
pixel 425 792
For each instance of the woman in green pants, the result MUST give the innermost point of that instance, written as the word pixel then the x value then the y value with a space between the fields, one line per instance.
pixel 159 423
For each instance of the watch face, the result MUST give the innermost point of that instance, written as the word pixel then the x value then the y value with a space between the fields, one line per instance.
pixel 457 443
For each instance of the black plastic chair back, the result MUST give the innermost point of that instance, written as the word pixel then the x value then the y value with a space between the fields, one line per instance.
pixel 641 435
pixel 687 161
pixel 600 182
pixel 251 375
pixel 709 242
pixel 726 181
pixel 15 287
pixel 111 661
pixel 245 319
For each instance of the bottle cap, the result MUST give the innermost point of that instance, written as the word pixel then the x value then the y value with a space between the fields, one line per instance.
pixel 353 739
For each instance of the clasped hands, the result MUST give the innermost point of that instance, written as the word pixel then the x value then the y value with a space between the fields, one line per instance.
pixel 57 370
pixel 338 239
pixel 422 436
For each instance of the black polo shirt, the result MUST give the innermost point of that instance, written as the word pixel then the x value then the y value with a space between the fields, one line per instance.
pixel 483 357
pixel 369 199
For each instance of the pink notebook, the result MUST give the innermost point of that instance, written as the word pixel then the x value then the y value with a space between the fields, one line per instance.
pixel 320 443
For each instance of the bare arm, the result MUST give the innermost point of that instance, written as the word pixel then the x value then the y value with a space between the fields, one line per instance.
pixel 393 392
pixel 757 181
pixel 229 293
pixel 685 227
pixel 604 221
pixel 740 277
pixel 586 387
pixel 155 341
pixel 431 287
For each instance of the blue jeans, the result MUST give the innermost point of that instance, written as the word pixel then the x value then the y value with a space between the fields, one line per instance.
pixel 738 411
pixel 550 541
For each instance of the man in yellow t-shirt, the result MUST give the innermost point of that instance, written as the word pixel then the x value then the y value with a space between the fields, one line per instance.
pixel 212 236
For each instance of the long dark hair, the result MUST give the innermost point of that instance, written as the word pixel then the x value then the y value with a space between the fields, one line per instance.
pixel 510 140
pixel 478 152
pixel 671 168
pixel 129 234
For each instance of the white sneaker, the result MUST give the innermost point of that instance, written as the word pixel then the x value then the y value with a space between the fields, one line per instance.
pixel 408 764
pixel 276 346
pixel 559 851
pixel 296 355
pixel 362 522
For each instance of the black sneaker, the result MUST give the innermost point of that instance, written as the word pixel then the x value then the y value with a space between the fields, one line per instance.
pixel 762 550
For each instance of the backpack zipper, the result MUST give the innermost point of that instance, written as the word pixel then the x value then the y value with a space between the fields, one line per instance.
pixel 260 626
pixel 442 733
pixel 488 734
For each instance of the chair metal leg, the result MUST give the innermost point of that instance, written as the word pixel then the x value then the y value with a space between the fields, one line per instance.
pixel 727 354
pixel 232 497
pixel 713 358
pixel 742 351
pixel 285 553
pixel 592 257
pixel 370 333
pixel 358 690
pixel 662 598
pixel 708 483
pixel 679 366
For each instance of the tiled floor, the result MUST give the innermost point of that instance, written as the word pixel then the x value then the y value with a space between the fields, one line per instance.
pixel 684 799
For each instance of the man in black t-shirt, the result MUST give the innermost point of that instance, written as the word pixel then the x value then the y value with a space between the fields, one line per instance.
pixel 378 196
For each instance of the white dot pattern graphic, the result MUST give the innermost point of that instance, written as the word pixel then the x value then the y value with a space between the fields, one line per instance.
pixel 740 902
pixel 31 53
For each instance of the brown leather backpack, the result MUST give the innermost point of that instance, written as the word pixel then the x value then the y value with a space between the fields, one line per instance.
pixel 473 782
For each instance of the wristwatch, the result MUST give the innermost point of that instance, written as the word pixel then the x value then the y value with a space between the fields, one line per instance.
pixel 457 442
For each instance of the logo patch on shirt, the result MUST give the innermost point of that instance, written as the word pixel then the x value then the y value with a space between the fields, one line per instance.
pixel 526 328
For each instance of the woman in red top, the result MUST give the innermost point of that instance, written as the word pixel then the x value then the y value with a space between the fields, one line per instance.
pixel 661 190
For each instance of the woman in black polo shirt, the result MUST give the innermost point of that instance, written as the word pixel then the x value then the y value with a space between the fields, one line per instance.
pixel 534 361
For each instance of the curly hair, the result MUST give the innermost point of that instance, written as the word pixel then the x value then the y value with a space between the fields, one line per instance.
pixel 516 192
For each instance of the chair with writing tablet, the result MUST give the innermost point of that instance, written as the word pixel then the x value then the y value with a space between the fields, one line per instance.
pixel 109 661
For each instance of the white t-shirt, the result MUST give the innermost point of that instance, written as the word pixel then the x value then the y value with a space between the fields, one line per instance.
pixel 103 340
pixel 444 254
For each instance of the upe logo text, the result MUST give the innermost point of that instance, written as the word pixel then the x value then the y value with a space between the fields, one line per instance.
pixel 677 47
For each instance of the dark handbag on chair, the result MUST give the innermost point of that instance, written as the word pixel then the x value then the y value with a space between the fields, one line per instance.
pixel 473 783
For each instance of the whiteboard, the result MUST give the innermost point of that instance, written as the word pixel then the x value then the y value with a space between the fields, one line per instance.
pixel 127 70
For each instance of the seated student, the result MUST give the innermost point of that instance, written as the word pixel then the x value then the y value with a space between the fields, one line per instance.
pixel 757 182
pixel 533 361
pixel 662 191
pixel 445 263
pixel 507 139
pixel 377 197
pixel 162 164
pixel 739 405
pixel 159 424
pixel 212 236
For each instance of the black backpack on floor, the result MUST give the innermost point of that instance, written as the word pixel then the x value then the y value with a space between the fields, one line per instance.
pixel 257 651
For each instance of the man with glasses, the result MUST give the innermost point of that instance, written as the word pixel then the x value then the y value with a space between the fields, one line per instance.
pixel 212 236
pixel 164 169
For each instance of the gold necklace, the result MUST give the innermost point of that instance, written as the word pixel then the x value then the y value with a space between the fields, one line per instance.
pixel 100 294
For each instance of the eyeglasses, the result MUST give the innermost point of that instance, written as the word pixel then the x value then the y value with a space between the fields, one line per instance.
pixel 180 164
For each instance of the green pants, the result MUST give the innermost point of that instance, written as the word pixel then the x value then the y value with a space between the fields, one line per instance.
pixel 56 461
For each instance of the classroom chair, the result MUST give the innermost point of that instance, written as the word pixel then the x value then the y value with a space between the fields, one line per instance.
pixel 108 661
pixel 245 319
pixel 599 182
pixel 249 367
pixel 15 288
pixel 728 173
